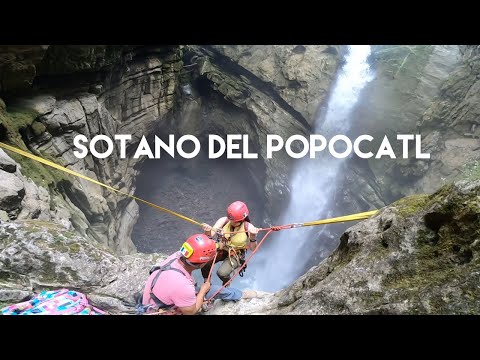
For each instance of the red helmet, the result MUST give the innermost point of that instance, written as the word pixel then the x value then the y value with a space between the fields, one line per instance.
pixel 199 249
pixel 237 211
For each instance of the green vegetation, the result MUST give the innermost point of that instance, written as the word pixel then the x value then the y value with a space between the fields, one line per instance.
pixel 445 248
pixel 411 205
pixel 15 120
pixel 73 274
pixel 471 171
pixel 401 60
pixel 38 128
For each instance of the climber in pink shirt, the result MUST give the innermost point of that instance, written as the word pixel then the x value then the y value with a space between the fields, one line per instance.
pixel 171 284
pixel 170 289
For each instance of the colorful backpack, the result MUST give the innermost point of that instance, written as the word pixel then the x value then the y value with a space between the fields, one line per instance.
pixel 56 302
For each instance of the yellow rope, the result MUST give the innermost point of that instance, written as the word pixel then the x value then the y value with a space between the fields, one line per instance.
pixel 353 217
pixel 74 173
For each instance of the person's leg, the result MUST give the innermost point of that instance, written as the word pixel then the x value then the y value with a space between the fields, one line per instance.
pixel 226 294
pixel 226 269
pixel 206 269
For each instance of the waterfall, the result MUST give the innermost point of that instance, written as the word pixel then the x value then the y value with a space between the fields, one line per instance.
pixel 312 185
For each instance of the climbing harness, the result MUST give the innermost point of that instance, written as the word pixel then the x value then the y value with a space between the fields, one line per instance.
pixel 161 269
pixel 236 254
pixel 235 248
pixel 160 307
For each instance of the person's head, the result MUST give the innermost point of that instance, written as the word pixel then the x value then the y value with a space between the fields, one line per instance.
pixel 197 250
pixel 237 212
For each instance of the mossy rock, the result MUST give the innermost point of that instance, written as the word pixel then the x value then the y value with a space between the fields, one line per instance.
pixel 471 171
pixel 410 205
pixel 38 128
pixel 444 250
pixel 67 59
pixel 16 120
pixel 418 256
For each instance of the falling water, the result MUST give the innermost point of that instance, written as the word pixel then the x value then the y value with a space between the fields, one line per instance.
pixel 312 183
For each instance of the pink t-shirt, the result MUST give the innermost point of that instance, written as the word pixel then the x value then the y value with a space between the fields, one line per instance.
pixel 171 286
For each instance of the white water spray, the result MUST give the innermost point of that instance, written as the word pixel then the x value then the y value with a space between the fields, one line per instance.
pixel 312 186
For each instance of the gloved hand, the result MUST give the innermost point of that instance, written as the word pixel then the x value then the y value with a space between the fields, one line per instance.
pixel 206 227
pixel 205 287
pixel 252 230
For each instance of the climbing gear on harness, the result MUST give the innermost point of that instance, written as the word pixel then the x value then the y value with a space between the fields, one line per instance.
pixel 238 240
pixel 242 268
pixel 218 237
pixel 198 249
pixel 236 244
pixel 237 254
pixel 207 306
pixel 237 211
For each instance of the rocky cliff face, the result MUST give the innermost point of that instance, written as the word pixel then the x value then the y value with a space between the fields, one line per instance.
pixel 62 91
pixel 300 75
pixel 418 256
pixel 129 93
pixel 22 65
pixel 18 66
pixel 427 90
pixel 37 255
pixel 277 88
pixel 451 126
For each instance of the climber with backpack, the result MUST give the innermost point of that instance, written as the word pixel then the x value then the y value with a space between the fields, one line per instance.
pixel 170 288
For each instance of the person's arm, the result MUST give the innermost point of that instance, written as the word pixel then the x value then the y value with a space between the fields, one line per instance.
pixel 210 231
pixel 192 310
pixel 207 229
pixel 252 236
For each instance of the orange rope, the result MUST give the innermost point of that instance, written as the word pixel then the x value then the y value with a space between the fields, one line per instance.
pixel 274 228
pixel 211 268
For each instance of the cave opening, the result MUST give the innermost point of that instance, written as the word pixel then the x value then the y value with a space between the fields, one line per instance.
pixel 199 188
